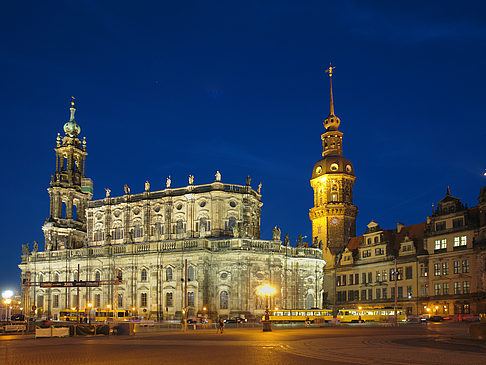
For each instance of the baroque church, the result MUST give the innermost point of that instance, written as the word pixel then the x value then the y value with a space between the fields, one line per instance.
pixel 160 253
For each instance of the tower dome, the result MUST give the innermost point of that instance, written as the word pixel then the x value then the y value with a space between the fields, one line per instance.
pixel 71 128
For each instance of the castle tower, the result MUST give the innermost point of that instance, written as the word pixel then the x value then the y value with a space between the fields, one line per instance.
pixel 69 191
pixel 333 215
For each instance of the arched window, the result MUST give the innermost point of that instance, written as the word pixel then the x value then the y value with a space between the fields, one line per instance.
pixel 377 239
pixel 369 241
pixel 118 233
pixel 309 301
pixel 203 224
pixel 56 277
pixel 159 228
pixel 168 274
pixel 138 230
pixel 41 278
pixel 190 299
pixel 223 300
pixel 190 273
pixel 144 275
pixel 97 276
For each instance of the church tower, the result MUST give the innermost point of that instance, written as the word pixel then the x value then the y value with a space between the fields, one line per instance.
pixel 69 191
pixel 333 215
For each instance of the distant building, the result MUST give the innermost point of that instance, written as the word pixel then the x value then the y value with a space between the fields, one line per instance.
pixel 195 247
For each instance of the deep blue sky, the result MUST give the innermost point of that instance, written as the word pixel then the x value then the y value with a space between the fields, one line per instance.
pixel 191 87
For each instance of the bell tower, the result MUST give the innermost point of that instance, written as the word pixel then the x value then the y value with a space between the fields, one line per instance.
pixel 69 191
pixel 333 215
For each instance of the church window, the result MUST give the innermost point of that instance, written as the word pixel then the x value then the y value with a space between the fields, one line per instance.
pixel 190 299
pixel 168 299
pixel 159 228
pixel 120 300
pixel 55 301
pixel 118 233
pixel 98 276
pixel 40 301
pixel 202 204
pixel 232 204
pixel 223 300
pixel 143 299
pixel 143 275
pixel 309 301
pixel 179 207
pixel 99 235
pixel 168 274
pixel 334 197
pixel 138 231
pixel 97 300
pixel 190 273
pixel 56 277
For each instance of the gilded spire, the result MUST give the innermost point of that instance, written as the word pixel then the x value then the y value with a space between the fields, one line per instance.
pixel 331 122
pixel 331 101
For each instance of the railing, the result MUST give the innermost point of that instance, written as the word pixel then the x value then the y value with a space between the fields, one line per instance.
pixel 176 245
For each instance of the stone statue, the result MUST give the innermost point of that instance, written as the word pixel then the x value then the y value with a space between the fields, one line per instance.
pixel 168 182
pixel 130 236
pixel 108 240
pixel 299 240
pixel 276 234
pixel 108 191
pixel 191 180
pixel 315 243
pixel 248 180
pixel 320 244
pixel 286 239
pixel 259 190
pixel 147 186
pixel 25 249
pixel 218 176
pixel 236 232
pixel 202 231
pixel 127 189
pixel 36 247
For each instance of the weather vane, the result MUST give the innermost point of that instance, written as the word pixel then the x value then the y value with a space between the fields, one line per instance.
pixel 329 70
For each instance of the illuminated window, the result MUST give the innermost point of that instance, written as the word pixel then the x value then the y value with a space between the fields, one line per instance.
pixel 466 287
pixel 143 299
pixel 97 300
pixel 463 240
pixel 190 273
pixel 437 269
pixel 457 288
pixel 445 268
pixel 445 288
pixel 437 245
pixel 457 241
pixel 437 289
pixel 223 300
pixel 443 243
pixel 456 267
pixel 424 270
pixel 168 299
pixel 190 299
pixel 465 266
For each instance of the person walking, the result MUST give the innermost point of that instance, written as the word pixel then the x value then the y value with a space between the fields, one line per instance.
pixel 220 325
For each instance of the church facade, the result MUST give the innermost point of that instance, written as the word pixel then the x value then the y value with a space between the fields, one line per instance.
pixel 195 248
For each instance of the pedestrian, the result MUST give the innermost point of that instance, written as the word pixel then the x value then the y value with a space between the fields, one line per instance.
pixel 220 325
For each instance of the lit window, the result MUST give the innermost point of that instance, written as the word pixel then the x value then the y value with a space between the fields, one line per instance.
pixel 223 300
pixel 465 266
pixel 437 289
pixel 437 244
pixel 466 288
pixel 457 241
pixel 437 269
pixel 443 243
pixel 463 240
pixel 445 268
pixel 456 267
pixel 445 288
pixel 457 288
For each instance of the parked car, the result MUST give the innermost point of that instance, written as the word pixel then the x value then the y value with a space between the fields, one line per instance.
pixel 235 320
pixel 436 319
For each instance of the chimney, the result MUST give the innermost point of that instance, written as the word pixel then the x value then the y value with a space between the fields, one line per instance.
pixel 399 227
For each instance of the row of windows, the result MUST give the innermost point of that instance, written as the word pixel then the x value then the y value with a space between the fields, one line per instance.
pixel 459 241
pixel 456 223
pixel 379 294
pixel 458 267
pixel 158 228
pixel 380 276
pixel 466 288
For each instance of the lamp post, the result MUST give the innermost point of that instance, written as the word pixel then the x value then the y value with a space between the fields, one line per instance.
pixel 7 295
pixel 267 291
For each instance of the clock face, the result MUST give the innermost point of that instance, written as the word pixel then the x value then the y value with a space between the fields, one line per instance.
pixel 334 221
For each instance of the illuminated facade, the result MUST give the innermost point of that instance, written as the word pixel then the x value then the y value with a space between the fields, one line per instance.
pixel 194 247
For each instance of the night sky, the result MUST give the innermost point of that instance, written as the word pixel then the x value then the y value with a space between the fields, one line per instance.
pixel 190 87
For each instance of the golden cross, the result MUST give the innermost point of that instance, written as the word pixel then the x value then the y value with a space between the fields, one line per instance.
pixel 329 70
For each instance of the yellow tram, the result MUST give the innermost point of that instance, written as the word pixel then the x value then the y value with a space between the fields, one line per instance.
pixel 364 314
pixel 300 315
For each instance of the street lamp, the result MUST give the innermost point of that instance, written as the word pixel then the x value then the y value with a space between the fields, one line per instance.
pixel 267 291
pixel 7 295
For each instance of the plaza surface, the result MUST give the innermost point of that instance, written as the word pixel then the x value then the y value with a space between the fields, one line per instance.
pixel 441 343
